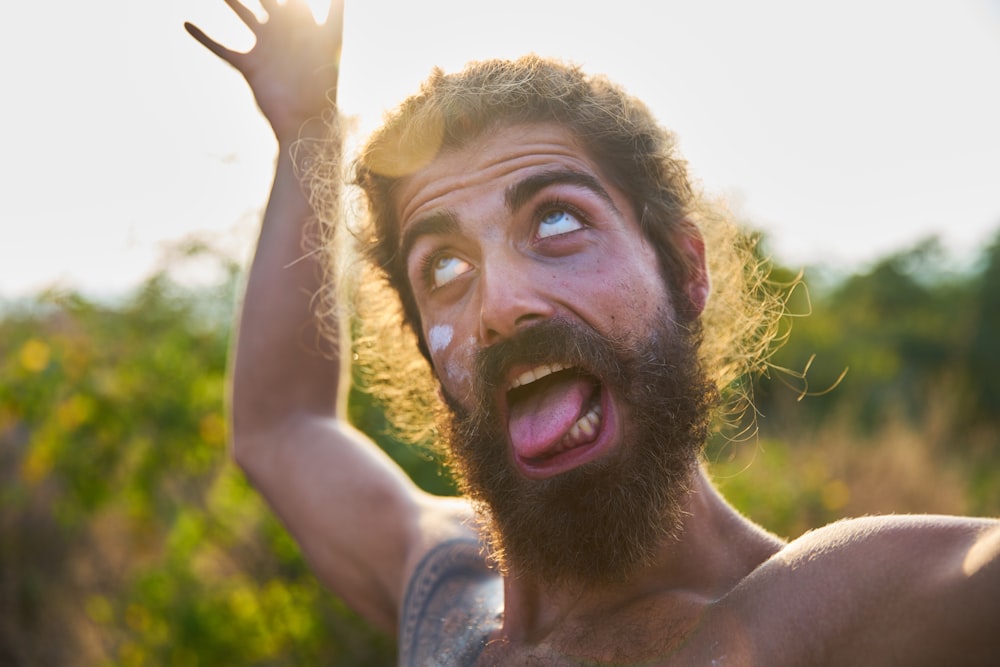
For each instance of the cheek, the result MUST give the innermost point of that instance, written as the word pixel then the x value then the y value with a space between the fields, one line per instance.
pixel 648 278
pixel 648 293
pixel 453 361
pixel 630 300
pixel 458 370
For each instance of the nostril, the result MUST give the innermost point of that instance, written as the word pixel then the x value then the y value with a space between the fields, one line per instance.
pixel 492 335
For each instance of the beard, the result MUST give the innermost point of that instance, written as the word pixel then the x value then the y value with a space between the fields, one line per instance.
pixel 604 520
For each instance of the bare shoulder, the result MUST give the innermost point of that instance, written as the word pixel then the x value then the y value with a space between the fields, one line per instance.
pixel 930 555
pixel 882 532
pixel 886 590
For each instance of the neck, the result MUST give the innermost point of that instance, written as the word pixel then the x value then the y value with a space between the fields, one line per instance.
pixel 716 549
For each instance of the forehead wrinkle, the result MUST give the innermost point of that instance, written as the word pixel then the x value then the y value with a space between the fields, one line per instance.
pixel 518 194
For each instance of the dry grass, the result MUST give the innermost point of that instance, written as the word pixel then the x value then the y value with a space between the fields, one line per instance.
pixel 834 473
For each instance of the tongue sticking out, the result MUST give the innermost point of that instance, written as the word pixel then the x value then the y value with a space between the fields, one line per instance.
pixel 546 412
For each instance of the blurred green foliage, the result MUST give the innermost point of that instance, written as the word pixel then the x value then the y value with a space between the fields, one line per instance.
pixel 884 398
pixel 128 538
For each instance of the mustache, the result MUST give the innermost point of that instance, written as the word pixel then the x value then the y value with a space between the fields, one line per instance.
pixel 553 341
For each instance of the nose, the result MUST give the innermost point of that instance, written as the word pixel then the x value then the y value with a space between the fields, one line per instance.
pixel 512 297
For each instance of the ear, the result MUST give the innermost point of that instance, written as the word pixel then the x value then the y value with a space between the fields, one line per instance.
pixel 691 243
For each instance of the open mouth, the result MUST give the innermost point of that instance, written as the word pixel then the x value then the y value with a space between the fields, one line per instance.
pixel 555 415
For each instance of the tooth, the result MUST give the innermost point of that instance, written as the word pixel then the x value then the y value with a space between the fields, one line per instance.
pixel 585 427
pixel 524 378
pixel 536 373
pixel 573 435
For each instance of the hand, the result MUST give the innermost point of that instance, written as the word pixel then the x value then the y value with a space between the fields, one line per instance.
pixel 293 65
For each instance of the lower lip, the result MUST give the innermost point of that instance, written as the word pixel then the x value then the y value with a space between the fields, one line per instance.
pixel 578 456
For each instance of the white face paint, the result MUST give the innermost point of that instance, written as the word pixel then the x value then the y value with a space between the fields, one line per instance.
pixel 439 337
pixel 453 361
pixel 458 369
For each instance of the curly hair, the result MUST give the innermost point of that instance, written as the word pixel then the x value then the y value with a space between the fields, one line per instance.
pixel 635 152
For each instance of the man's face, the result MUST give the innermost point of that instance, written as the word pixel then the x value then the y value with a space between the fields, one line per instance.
pixel 518 228
pixel 542 303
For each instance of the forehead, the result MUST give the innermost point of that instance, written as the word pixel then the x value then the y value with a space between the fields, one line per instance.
pixel 490 162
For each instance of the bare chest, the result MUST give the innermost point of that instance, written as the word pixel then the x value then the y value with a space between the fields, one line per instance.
pixel 454 609
pixel 454 606
pixel 639 635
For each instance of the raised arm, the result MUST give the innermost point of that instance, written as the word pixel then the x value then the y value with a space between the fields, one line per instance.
pixel 358 518
pixel 292 71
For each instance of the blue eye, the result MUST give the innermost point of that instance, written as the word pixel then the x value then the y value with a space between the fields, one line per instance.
pixel 556 222
pixel 445 268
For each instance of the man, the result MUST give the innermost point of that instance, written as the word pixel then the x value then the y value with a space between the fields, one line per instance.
pixel 548 255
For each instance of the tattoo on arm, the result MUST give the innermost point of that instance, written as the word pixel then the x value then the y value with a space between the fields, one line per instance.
pixel 452 604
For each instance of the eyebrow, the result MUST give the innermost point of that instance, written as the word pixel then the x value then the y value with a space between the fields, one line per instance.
pixel 437 224
pixel 518 194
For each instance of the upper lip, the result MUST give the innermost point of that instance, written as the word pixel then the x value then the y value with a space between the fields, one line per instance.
pixel 535 373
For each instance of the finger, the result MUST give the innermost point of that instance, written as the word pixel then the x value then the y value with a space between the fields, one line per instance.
pixel 335 17
pixel 270 6
pixel 297 6
pixel 247 16
pixel 228 55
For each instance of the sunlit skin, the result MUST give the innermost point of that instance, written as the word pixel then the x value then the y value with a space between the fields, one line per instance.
pixel 485 262
pixel 505 233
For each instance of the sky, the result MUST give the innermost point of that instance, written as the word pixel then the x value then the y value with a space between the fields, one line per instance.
pixel 843 130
